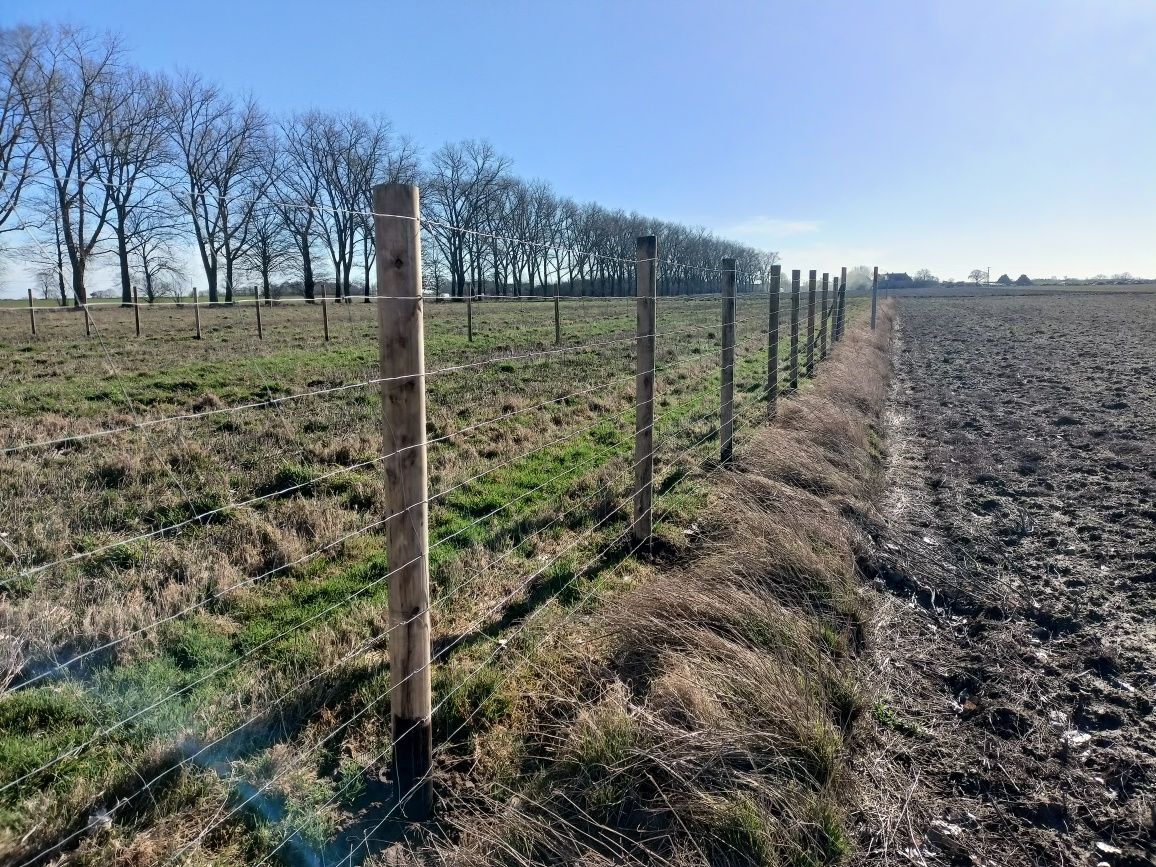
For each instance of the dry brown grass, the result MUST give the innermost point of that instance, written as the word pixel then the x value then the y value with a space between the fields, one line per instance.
pixel 706 715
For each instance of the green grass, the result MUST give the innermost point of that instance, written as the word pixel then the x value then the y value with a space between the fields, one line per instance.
pixel 247 648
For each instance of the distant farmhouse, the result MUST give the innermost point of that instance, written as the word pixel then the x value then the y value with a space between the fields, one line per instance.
pixel 896 280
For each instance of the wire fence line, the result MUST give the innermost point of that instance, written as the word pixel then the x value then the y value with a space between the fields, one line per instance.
pixel 589 533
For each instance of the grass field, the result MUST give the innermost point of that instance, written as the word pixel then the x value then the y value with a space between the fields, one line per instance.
pixel 248 642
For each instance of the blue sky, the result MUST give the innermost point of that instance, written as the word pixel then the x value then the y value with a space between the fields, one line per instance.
pixel 1019 134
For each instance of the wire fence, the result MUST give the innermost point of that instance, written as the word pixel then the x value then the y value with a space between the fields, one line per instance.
pixel 524 496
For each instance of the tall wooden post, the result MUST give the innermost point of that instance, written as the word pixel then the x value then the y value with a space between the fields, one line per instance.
pixel 795 329
pixel 324 314
pixel 87 320
pixel 470 314
pixel 874 294
pixel 773 340
pixel 842 303
pixel 811 324
pixel 136 310
pixel 835 304
pixel 557 317
pixel 197 312
pixel 727 394
pixel 647 284
pixel 401 338
pixel 31 311
pixel 257 305
pixel 823 318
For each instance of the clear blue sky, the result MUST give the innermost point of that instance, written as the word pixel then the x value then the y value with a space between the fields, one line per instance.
pixel 1018 134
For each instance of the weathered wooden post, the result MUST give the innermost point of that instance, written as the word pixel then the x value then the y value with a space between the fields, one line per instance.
pixel 842 305
pixel 557 317
pixel 647 284
pixel 136 310
pixel 795 328
pixel 324 314
pixel 470 313
pixel 874 294
pixel 811 324
pixel 197 312
pixel 831 310
pixel 727 393
pixel 257 305
pixel 397 235
pixel 32 311
pixel 823 318
pixel 773 340
pixel 87 319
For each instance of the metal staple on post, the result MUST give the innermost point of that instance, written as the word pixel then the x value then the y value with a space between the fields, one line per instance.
pixel 773 341
pixel 402 353
pixel 647 285
pixel 795 328
pixel 727 392
pixel 811 324
pixel 823 317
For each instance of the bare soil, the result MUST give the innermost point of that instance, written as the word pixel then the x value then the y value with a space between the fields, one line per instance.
pixel 1017 567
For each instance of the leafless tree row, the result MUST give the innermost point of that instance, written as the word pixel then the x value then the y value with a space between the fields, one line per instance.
pixel 101 161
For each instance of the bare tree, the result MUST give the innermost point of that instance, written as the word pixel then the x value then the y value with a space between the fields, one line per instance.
pixel 271 247
pixel 15 146
pixel 64 76
pixel 977 275
pixel 462 183
pixel 134 149
pixel 220 146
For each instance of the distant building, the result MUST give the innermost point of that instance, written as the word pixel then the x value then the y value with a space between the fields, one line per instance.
pixel 896 280
pixel 1024 280
pixel 1004 280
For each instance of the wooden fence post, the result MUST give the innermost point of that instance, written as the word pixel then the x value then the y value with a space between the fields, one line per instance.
pixel 646 272
pixel 773 340
pixel 874 294
pixel 324 314
pixel 470 314
pixel 795 328
pixel 257 305
pixel 32 311
pixel 727 393
pixel 197 312
pixel 811 324
pixel 136 310
pixel 87 320
pixel 841 307
pixel 557 317
pixel 823 318
pixel 831 310
pixel 401 339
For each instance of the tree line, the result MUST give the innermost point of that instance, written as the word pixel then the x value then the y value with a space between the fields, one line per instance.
pixel 101 161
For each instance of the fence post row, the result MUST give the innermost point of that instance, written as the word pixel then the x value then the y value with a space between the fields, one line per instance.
pixel 823 317
pixel 773 341
pixel 402 350
pixel 646 272
pixel 727 392
pixel 874 294
pixel 795 328
pixel 811 324
pixel 32 311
